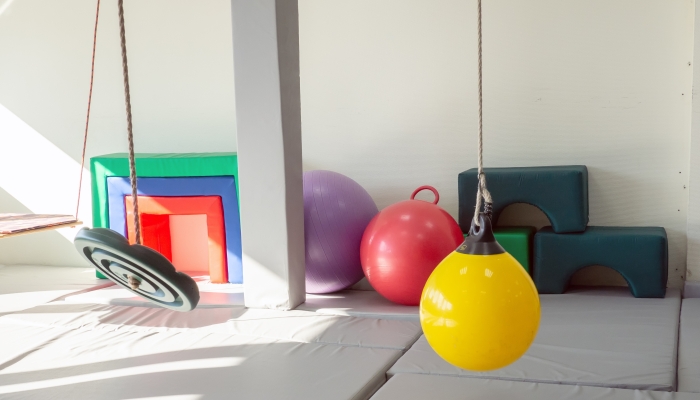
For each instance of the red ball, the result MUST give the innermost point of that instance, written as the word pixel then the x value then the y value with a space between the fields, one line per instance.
pixel 404 243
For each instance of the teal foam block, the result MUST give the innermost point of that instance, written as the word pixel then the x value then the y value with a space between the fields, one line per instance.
pixel 561 192
pixel 640 255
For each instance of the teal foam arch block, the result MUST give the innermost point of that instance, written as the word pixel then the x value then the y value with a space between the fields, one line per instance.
pixel 639 254
pixel 561 192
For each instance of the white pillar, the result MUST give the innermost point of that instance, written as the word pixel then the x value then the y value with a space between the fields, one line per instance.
pixel 268 120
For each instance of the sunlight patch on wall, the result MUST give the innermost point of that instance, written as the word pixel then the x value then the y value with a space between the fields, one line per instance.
pixel 39 174
pixel 5 5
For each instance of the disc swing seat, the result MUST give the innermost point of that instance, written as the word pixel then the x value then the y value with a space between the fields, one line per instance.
pixel 137 268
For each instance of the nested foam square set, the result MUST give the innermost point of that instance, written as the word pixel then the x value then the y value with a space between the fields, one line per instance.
pixel 187 198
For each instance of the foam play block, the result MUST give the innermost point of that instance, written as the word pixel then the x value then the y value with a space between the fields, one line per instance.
pixel 154 165
pixel 640 255
pixel 517 241
pixel 190 240
pixel 208 205
pixel 561 192
pixel 222 186
pixel 158 165
pixel 182 239
pixel 156 234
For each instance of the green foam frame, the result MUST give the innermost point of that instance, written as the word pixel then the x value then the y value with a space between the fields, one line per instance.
pixel 518 242
pixel 154 165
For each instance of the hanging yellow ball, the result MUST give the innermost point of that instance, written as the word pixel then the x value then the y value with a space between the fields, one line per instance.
pixel 479 308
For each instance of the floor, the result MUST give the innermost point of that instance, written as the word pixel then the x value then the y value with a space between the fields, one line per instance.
pixel 77 337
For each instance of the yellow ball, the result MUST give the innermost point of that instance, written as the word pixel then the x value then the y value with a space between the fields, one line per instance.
pixel 480 312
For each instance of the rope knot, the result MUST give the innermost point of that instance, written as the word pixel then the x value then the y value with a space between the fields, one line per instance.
pixel 134 283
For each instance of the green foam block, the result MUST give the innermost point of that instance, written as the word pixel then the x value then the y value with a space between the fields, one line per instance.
pixel 153 165
pixel 517 241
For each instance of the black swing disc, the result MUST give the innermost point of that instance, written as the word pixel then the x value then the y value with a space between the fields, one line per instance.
pixel 159 282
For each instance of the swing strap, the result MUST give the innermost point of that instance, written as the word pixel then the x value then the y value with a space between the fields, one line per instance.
pixel 133 281
pixel 130 133
pixel 482 192
pixel 87 118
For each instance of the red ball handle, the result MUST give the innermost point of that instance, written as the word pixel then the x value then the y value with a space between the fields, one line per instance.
pixel 432 189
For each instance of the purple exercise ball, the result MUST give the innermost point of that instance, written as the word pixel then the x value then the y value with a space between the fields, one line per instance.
pixel 336 213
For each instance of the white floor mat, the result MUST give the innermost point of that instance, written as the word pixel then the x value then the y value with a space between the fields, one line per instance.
pixel 689 347
pixel 211 296
pixel 421 387
pixel 358 303
pixel 298 326
pixel 26 286
pixel 594 337
pixel 98 365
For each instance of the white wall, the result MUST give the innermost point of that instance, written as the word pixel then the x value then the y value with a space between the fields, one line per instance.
pixel 693 272
pixel 388 94
pixel 181 70
pixel 389 98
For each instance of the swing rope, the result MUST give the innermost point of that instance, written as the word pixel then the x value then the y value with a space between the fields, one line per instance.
pixel 18 224
pixel 133 281
pixel 130 133
pixel 482 192
pixel 87 118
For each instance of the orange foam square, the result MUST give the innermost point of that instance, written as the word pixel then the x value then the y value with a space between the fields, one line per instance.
pixel 156 233
pixel 210 206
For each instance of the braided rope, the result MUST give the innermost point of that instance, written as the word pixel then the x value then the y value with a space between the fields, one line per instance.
pixel 87 118
pixel 482 191
pixel 130 134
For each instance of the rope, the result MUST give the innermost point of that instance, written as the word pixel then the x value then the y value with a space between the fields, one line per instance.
pixel 87 118
pixel 133 282
pixel 130 133
pixel 481 192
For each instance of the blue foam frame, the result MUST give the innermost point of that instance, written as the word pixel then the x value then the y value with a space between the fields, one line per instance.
pixel 223 186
